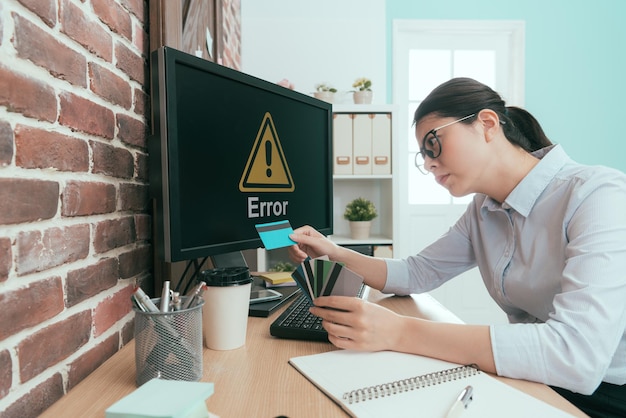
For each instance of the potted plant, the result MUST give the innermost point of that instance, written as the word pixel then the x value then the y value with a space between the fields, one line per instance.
pixel 325 91
pixel 360 212
pixel 363 93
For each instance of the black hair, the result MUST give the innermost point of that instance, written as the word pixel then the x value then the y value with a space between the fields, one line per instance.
pixel 462 96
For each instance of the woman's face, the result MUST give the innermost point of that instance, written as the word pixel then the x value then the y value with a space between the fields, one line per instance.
pixel 460 161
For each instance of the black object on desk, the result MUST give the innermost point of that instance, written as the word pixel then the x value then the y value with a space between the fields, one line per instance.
pixel 264 309
pixel 298 323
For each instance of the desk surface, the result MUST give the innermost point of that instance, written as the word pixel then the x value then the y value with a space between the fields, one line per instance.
pixel 256 380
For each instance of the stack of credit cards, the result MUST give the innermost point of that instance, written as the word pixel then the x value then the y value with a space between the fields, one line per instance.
pixel 321 277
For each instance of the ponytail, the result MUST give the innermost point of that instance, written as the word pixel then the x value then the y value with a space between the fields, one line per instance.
pixel 523 129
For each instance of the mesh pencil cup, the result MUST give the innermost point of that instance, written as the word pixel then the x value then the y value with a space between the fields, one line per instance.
pixel 168 345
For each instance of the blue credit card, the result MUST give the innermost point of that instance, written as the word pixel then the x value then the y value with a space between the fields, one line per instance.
pixel 275 234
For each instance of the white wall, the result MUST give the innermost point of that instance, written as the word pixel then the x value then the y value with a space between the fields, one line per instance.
pixel 313 41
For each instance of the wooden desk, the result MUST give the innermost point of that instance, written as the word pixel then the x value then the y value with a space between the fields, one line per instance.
pixel 256 380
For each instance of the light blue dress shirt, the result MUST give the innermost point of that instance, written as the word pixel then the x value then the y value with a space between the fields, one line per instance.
pixel 553 257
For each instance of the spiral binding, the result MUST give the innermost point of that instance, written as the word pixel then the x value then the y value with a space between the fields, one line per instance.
pixel 411 383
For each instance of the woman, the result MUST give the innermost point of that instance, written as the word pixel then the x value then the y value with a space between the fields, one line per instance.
pixel 547 234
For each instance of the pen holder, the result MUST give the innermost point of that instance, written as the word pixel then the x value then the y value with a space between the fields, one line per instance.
pixel 168 345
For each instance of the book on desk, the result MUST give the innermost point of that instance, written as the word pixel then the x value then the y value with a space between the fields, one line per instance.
pixel 385 383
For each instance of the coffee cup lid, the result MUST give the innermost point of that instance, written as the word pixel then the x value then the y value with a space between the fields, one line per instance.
pixel 226 276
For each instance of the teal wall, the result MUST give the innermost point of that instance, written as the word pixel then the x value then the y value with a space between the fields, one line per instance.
pixel 575 66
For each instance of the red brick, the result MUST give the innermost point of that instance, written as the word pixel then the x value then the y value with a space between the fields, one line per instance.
pixel 82 198
pixel 136 7
pixel 84 115
pixel 135 262
pixel 143 227
pixel 6 257
pixel 6 373
pixel 141 99
pixel 63 153
pixel 113 233
pixel 36 353
pixel 31 97
pixel 133 197
pixel 45 9
pixel 27 200
pixel 37 400
pixel 114 16
pixel 141 167
pixel 111 310
pixel 45 51
pixel 91 360
pixel 131 131
pixel 28 306
pixel 89 281
pixel 85 31
pixel 109 86
pixel 112 161
pixel 38 251
pixel 131 63
pixel 6 142
pixel 141 39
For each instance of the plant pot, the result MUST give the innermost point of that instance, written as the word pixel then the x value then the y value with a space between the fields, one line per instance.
pixel 363 97
pixel 360 229
pixel 327 96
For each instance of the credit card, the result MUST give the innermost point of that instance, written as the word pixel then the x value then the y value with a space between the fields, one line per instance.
pixel 275 234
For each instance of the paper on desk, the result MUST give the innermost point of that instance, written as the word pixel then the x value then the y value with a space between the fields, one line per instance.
pixel 159 398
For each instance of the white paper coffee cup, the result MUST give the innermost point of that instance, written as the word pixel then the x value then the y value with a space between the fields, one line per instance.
pixel 226 305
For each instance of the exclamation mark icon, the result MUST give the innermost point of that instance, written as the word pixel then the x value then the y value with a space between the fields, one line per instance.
pixel 268 158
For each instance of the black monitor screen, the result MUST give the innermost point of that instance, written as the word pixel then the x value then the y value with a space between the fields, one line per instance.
pixel 231 151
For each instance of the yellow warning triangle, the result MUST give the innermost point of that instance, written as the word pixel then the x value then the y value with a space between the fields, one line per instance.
pixel 266 169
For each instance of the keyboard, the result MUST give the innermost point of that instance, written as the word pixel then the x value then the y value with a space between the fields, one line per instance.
pixel 296 322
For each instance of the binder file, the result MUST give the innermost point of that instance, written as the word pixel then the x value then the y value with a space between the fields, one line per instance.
pixel 342 143
pixel 381 144
pixel 362 143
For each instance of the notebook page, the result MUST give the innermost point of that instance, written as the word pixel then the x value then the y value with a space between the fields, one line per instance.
pixel 341 371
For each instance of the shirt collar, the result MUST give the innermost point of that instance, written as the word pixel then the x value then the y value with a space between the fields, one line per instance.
pixel 525 194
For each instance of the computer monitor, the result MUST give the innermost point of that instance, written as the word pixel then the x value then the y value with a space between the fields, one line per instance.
pixel 230 151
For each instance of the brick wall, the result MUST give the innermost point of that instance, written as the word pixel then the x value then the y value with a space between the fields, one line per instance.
pixel 74 224
pixel 231 17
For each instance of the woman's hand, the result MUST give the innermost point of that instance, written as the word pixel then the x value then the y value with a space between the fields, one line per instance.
pixel 356 324
pixel 310 243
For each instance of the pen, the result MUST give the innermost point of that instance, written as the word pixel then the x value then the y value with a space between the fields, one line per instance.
pixel 461 403
pixel 165 297
pixel 144 300
pixel 193 294
pixel 176 301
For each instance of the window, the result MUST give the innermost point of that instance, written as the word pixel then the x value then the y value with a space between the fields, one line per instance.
pixel 428 53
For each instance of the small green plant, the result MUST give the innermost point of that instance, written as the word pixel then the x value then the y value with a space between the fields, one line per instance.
pixel 362 84
pixel 325 87
pixel 283 266
pixel 360 209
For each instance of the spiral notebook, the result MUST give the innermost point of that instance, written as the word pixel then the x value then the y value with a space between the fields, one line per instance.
pixel 399 385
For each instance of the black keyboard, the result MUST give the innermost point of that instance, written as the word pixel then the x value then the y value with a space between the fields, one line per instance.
pixel 296 322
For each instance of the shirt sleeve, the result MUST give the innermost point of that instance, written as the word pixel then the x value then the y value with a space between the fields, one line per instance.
pixel 574 348
pixel 449 256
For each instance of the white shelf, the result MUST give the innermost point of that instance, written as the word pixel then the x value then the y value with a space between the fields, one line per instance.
pixel 372 240
pixel 362 108
pixel 362 177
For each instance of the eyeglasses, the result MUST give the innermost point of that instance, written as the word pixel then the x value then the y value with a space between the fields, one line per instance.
pixel 431 145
